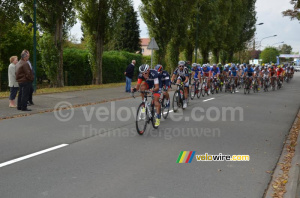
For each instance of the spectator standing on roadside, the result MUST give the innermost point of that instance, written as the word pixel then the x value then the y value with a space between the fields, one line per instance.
pixel 12 83
pixel 30 102
pixel 129 74
pixel 25 78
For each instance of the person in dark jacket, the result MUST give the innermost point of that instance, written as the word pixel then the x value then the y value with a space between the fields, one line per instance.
pixel 30 102
pixel 24 77
pixel 129 74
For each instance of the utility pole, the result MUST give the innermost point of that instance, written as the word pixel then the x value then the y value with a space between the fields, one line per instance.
pixel 34 44
pixel 197 34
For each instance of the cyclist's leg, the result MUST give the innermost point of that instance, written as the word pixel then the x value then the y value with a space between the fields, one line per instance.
pixel 144 87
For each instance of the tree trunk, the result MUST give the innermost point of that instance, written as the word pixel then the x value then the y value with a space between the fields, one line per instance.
pixel 102 17
pixel 59 45
pixel 230 56
pixel 99 54
pixel 0 80
pixel 216 53
pixel 205 56
pixel 189 52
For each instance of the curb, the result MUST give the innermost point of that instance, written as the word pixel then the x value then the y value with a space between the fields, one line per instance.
pixel 292 186
pixel 52 110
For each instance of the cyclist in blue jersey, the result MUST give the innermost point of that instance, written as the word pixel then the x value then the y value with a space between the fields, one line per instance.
pixel 196 70
pixel 215 71
pixel 233 72
pixel 182 75
pixel 165 82
pixel 148 79
pixel 249 72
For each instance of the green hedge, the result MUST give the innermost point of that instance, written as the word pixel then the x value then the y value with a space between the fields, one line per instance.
pixel 77 66
pixel 115 64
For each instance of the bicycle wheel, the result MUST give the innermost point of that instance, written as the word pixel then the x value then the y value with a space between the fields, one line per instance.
pixel 193 91
pixel 176 101
pixel 203 90
pixel 164 108
pixel 198 91
pixel 154 116
pixel 142 118
pixel 212 89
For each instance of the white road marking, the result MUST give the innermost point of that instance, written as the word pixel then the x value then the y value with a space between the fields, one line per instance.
pixel 208 99
pixel 169 112
pixel 31 155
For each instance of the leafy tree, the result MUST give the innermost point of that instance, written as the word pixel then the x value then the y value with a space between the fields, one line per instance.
pixel 295 12
pixel 242 26
pixel 54 17
pixel 269 55
pixel 220 24
pixel 49 57
pixel 285 49
pixel 129 37
pixel 9 13
pixel 98 19
pixel 167 22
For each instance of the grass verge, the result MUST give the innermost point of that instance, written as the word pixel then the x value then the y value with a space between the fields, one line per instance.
pixel 68 89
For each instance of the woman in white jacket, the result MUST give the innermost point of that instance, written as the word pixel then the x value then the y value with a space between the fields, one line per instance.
pixel 13 84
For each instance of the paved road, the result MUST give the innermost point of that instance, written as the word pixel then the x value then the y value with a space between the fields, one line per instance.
pixel 108 159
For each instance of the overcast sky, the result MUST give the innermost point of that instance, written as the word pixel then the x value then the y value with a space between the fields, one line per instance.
pixel 268 12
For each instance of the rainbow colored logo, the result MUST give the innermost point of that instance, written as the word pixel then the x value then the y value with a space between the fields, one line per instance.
pixel 186 157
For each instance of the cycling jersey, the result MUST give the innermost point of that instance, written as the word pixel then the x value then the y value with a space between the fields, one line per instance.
pixel 164 79
pixel 196 70
pixel 265 73
pixel 182 73
pixel 215 71
pixel 272 71
pixel 249 71
pixel 204 72
pixel 233 72
pixel 221 68
pixel 152 79
pixel 257 71
pixel 279 71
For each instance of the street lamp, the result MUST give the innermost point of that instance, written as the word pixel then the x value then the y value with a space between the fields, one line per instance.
pixel 266 38
pixel 277 43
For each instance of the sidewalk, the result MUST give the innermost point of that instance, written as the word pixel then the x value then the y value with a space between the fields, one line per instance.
pixel 46 102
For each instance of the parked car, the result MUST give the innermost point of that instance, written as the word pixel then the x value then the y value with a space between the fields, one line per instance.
pixel 297 68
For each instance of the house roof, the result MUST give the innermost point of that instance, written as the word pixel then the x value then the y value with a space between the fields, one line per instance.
pixel 145 41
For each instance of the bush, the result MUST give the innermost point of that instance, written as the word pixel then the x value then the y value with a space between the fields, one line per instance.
pixel 115 64
pixel 77 66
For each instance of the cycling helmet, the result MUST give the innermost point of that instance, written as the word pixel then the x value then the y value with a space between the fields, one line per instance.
pixel 144 68
pixel 159 68
pixel 198 65
pixel 194 65
pixel 205 66
pixel 181 63
pixel 214 65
